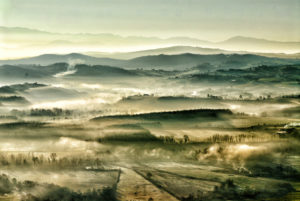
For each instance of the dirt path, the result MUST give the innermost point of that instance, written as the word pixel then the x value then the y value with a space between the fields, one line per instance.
pixel 133 187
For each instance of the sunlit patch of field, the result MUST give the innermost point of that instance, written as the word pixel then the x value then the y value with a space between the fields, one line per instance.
pixel 178 186
pixel 133 186
pixel 177 179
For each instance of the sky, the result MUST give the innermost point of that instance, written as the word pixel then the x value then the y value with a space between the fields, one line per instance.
pixel 213 20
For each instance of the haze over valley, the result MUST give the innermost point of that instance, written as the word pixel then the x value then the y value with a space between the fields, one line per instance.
pixel 174 103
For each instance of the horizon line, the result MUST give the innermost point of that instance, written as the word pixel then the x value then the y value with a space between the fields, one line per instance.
pixel 127 36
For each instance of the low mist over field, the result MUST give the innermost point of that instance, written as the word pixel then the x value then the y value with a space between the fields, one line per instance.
pixel 149 100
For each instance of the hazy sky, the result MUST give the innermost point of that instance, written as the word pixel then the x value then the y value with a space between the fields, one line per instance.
pixel 204 19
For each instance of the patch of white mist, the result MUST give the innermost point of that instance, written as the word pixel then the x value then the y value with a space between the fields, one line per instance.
pixel 71 67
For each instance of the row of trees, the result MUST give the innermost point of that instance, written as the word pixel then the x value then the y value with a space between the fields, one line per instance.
pixel 43 112
pixel 49 160
pixel 173 140
pixel 238 138
pixel 217 138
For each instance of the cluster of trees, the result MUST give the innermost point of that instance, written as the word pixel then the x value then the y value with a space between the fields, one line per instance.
pixel 50 112
pixel 278 171
pixel 217 138
pixel 12 99
pixel 240 97
pixel 52 192
pixel 10 89
pixel 291 96
pixel 173 140
pixel 49 161
pixel 214 97
pixel 264 97
pixel 43 112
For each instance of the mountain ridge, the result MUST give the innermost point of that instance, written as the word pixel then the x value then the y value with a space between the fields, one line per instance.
pixel 112 42
pixel 161 61
pixel 233 38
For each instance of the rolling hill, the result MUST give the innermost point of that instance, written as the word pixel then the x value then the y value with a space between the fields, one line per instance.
pixel 167 51
pixel 170 62
pixel 72 59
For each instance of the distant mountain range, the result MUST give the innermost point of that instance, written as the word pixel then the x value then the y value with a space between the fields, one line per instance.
pixel 254 44
pixel 218 61
pixel 164 62
pixel 22 41
pixel 173 50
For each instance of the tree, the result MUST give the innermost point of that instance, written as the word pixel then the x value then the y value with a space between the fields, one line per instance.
pixel 186 139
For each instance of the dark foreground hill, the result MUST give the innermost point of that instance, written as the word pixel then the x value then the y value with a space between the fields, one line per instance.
pixel 172 115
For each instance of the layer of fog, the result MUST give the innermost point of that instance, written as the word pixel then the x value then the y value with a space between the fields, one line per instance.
pixel 110 97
